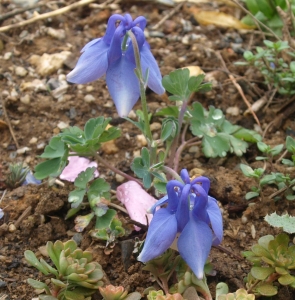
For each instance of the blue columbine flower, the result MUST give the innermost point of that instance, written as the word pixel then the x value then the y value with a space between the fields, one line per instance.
pixel 113 55
pixel 190 212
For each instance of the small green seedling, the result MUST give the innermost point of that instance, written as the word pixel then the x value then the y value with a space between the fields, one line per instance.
pixel 273 260
pixel 74 275
pixel 278 73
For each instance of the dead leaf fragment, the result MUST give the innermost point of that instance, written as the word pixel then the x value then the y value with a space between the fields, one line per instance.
pixel 3 124
pixel 225 2
pixel 219 19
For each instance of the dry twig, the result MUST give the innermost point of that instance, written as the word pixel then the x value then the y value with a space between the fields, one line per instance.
pixel 26 212
pixel 170 14
pixel 53 14
pixel 8 122
pixel 238 87
pixel 19 11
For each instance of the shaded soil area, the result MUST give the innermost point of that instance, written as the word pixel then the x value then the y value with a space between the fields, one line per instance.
pixel 37 111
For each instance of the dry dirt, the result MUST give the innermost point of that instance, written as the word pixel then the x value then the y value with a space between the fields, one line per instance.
pixel 179 42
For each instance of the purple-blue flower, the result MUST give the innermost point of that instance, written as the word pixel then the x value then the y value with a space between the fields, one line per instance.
pixel 193 214
pixel 113 55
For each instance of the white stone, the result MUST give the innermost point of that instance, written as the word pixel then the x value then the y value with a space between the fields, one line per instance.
pixel 89 88
pixel 233 110
pixel 155 126
pixel 62 77
pixel 41 146
pixel 59 34
pixel 194 149
pixel 132 115
pixel 136 153
pixel 62 125
pixel 23 150
pixel 20 71
pixel 89 98
pixel 7 55
pixel 33 140
pixel 141 140
pixel 25 99
pixel 49 63
pixel 13 95
pixel 119 178
pixel 109 103
pixel 35 85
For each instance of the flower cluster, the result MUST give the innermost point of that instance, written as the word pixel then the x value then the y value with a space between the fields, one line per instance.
pixel 190 212
pixel 113 55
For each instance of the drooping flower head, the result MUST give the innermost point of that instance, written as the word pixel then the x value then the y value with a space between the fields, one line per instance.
pixel 190 212
pixel 113 55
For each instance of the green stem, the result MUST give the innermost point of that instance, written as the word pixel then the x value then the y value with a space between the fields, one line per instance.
pixel 114 169
pixel 172 173
pixel 138 71
pixel 172 159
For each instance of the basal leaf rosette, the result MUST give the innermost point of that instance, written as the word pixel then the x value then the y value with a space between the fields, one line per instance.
pixel 273 259
pixel 74 265
pixel 240 294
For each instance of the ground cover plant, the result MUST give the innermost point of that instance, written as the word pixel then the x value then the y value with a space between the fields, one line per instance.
pixel 188 212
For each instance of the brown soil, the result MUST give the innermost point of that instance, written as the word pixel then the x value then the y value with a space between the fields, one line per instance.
pixel 39 117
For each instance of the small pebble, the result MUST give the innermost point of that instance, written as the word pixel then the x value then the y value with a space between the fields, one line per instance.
pixel 233 110
pixel 23 150
pixel 20 71
pixel 25 99
pixel 33 140
pixel 7 55
pixel 119 178
pixel 41 146
pixel 109 147
pixel 155 126
pixel 141 140
pixel 89 88
pixel 136 153
pixel 132 115
pixel 78 237
pixel 72 113
pixel 109 103
pixel 15 122
pixel 13 95
pixel 195 150
pixel 253 231
pixel 59 34
pixel 89 98
pixel 244 219
pixel 11 228
pixel 62 125
pixel 62 77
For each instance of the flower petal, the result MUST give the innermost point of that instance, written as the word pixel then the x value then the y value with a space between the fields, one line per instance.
pixel 92 64
pixel 148 62
pixel 161 201
pixel 160 236
pixel 200 206
pixel 75 166
pixel 216 220
pixel 136 200
pixel 123 85
pixel 112 26
pixel 185 176
pixel 140 21
pixel 194 245
pixel 204 182
pixel 182 213
pixel 115 51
